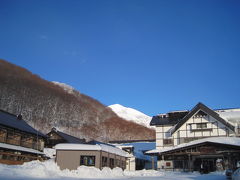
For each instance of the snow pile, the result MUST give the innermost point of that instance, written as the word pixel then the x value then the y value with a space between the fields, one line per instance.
pixel 131 115
pixel 49 152
pixel 144 173
pixel 66 87
pixel 50 170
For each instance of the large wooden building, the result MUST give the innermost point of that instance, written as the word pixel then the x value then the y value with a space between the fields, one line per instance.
pixel 180 127
pixel 204 155
pixel 19 142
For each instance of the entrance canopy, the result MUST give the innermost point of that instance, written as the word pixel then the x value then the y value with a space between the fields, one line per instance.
pixel 230 142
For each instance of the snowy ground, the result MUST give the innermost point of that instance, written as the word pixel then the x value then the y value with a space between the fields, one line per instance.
pixel 48 170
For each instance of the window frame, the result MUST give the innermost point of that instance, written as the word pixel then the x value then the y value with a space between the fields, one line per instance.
pixel 89 157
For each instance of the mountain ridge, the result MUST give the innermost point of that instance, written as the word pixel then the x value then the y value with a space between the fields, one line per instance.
pixel 44 105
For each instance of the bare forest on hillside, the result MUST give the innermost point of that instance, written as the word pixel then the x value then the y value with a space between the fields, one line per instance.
pixel 44 105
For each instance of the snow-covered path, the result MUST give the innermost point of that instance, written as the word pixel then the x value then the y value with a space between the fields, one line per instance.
pixel 168 176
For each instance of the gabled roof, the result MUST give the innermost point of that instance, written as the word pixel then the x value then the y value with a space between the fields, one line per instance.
pixel 67 137
pixel 12 121
pixel 205 109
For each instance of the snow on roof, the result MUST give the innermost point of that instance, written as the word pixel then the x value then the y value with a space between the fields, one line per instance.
pixel 90 147
pixel 125 146
pixel 12 121
pixel 19 148
pixel 234 141
pixel 231 116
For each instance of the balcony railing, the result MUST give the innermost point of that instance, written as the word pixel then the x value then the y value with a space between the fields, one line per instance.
pixel 32 145
pixel 168 142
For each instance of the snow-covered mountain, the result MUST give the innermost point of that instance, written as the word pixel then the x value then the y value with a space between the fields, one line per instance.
pixel 44 104
pixel 131 114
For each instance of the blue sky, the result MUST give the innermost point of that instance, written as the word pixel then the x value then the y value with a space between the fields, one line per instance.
pixel 151 55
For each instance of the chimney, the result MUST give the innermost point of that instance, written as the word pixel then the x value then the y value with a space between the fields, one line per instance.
pixel 19 117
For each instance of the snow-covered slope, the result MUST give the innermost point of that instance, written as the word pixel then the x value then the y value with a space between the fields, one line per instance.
pixel 131 115
pixel 66 87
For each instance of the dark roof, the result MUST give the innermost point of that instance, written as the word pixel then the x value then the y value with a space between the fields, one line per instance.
pixel 171 118
pixel 67 137
pixel 205 109
pixel 12 121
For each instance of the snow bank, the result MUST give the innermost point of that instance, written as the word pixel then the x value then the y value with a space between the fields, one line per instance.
pixel 50 170
pixel 144 172
pixel 49 152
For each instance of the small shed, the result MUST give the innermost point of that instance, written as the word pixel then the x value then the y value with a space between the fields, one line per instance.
pixel 71 156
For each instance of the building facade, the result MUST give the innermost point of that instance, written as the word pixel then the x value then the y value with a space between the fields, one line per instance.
pixel 71 156
pixel 180 127
pixel 19 142
pixel 56 137
pixel 137 159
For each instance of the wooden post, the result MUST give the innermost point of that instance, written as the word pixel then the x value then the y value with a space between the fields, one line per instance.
pixel 152 158
pixel 189 162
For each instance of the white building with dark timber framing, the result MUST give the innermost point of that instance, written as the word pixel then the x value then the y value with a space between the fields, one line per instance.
pixel 176 128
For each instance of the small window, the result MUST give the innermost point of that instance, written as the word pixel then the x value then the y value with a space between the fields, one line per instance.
pixel 87 160
pixel 167 141
pixel 168 164
pixel 201 125
pixel 111 163
pixel 104 161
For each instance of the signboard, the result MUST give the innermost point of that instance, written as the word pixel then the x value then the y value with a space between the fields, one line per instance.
pixel 207 150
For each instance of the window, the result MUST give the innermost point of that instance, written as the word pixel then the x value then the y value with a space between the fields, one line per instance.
pixel 111 163
pixel 167 141
pixel 168 164
pixel 104 161
pixel 201 125
pixel 87 160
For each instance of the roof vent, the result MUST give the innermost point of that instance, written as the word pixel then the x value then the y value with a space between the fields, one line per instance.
pixel 19 117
